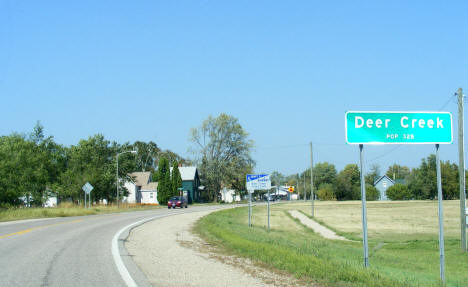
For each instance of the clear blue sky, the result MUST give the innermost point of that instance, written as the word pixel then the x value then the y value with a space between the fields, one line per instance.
pixel 151 70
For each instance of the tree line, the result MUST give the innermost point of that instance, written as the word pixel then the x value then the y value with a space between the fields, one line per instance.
pixel 417 183
pixel 34 167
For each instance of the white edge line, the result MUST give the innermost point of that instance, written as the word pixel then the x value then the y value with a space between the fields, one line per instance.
pixel 127 278
pixel 123 271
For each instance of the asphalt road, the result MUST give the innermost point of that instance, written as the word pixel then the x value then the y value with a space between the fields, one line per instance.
pixel 70 251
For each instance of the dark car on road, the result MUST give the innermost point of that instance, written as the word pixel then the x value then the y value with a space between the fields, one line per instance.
pixel 177 201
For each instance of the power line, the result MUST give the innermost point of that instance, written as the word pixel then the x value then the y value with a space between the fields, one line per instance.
pixel 448 101
pixel 384 155
pixel 279 146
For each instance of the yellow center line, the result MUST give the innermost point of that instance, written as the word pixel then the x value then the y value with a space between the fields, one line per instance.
pixel 38 227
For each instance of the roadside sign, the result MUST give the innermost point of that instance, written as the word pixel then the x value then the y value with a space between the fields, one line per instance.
pixel 258 182
pixel 291 189
pixel 87 188
pixel 398 127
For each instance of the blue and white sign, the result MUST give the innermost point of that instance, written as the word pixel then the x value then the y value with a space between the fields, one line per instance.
pixel 87 188
pixel 258 182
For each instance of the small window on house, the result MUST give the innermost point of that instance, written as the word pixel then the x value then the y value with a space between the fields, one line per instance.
pixel 384 183
pixel 151 195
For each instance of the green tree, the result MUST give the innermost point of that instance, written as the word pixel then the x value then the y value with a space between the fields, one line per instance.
pixel 94 160
pixel 398 172
pixel 224 152
pixel 422 181
pixel 450 183
pixel 399 192
pixel 326 192
pixel 239 180
pixel 277 178
pixel 372 193
pixel 23 171
pixel 373 175
pixel 176 179
pixel 348 183
pixel 324 172
pixel 164 183
pixel 147 156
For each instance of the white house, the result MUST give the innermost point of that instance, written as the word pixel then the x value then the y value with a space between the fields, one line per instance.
pixel 141 190
pixel 51 201
pixel 229 195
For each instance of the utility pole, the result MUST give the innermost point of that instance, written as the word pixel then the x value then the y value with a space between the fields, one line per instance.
pixel 117 177
pixel 297 186
pixel 305 192
pixel 312 196
pixel 461 170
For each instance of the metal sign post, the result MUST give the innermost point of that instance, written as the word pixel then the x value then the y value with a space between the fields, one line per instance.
pixel 395 127
pixel 441 217
pixel 257 182
pixel 268 210
pixel 312 195
pixel 87 189
pixel 364 209
pixel 250 207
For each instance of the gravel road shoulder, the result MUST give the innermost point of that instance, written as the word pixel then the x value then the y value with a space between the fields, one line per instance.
pixel 170 255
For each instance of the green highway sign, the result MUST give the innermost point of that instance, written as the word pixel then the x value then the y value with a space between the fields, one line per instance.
pixel 398 127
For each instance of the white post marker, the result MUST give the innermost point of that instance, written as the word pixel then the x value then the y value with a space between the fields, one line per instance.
pixel 87 189
pixel 250 207
pixel 256 182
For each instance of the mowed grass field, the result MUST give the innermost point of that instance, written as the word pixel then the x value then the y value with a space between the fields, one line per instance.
pixel 403 242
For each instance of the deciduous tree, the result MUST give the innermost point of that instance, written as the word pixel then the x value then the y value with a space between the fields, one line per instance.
pixel 223 150
pixel 348 183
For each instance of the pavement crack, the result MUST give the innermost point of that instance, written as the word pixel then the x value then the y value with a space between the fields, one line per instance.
pixel 45 280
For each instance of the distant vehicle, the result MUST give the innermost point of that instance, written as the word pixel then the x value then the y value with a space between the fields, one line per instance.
pixel 177 201
pixel 272 197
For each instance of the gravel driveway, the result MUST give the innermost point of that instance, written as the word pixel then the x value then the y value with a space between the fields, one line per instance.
pixel 170 255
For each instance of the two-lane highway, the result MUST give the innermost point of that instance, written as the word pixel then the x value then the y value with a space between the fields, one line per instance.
pixel 69 251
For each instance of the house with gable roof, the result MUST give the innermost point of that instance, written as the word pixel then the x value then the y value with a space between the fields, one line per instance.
pixel 141 190
pixel 382 184
pixel 190 182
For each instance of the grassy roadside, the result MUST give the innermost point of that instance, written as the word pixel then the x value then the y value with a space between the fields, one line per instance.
pixel 293 248
pixel 66 210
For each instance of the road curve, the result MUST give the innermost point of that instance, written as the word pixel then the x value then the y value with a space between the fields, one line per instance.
pixel 69 251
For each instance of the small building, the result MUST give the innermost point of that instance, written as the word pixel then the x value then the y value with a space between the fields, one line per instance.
pixel 190 182
pixel 382 184
pixel 141 190
pixel 51 201
pixel 229 195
